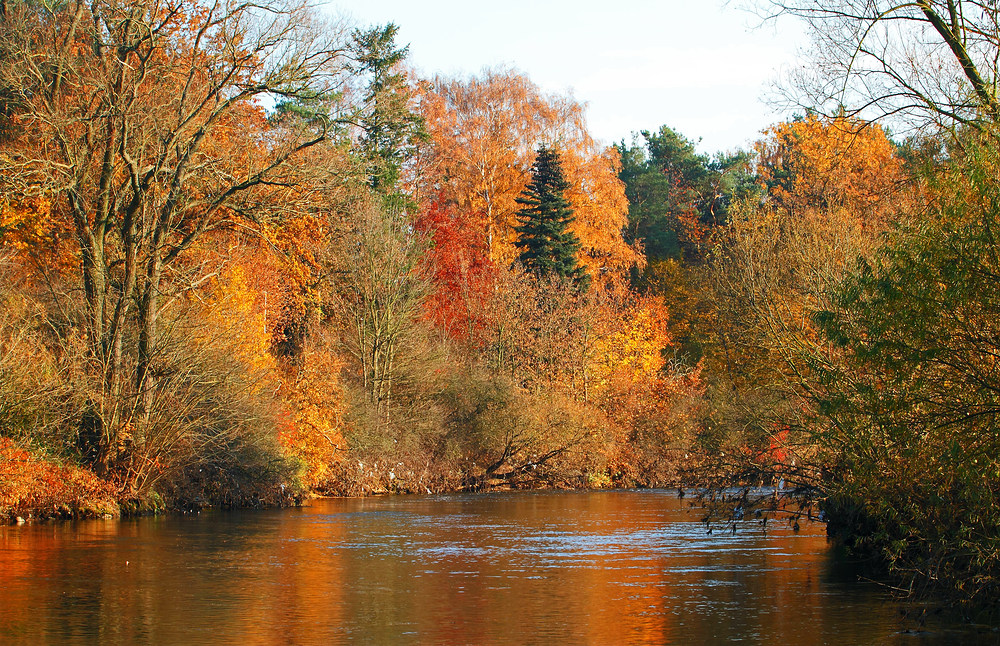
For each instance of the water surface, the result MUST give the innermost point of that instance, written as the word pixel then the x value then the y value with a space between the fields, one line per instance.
pixel 622 567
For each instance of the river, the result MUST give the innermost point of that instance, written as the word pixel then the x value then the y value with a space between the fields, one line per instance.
pixel 615 567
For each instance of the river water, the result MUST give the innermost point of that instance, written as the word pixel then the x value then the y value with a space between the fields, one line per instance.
pixel 618 567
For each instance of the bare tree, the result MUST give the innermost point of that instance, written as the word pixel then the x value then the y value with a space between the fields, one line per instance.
pixel 919 62
pixel 379 292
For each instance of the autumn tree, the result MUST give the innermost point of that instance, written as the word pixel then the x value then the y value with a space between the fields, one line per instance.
pixel 484 131
pixel 833 192
pixel 143 118
pixel 902 386
pixel 910 415
pixel 652 400
pixel 313 407
pixel 547 245
pixel 462 278
pixel 816 163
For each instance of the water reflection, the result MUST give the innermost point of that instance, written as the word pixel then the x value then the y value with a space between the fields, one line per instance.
pixel 576 568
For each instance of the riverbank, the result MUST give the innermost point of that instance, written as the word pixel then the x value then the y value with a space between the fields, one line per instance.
pixel 37 487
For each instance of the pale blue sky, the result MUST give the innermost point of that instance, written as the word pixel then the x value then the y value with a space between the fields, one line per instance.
pixel 694 65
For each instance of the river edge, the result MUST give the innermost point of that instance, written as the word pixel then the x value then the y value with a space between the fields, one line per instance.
pixel 81 507
pixel 37 490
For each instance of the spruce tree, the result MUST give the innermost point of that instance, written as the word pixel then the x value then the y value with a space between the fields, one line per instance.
pixel 390 129
pixel 547 245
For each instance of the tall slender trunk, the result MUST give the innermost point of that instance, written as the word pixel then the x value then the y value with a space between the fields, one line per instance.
pixel 145 378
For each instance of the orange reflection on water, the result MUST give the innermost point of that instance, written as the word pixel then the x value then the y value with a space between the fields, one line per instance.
pixel 559 567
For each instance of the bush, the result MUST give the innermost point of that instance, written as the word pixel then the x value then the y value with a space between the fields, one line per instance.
pixel 34 486
pixel 913 413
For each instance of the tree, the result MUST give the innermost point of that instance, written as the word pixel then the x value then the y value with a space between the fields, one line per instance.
pixel 379 294
pixel 547 245
pixel 143 118
pixel 833 192
pixel 912 412
pixel 389 128
pixel 463 278
pixel 484 131
pixel 919 61
pixel 819 163
pixel 677 196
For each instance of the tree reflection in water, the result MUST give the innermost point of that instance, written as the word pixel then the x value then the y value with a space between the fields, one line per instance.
pixel 551 567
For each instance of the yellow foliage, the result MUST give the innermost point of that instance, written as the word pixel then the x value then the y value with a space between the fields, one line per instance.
pixel 630 346
pixel 313 426
pixel 234 324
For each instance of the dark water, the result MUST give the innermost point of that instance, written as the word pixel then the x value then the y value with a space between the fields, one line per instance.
pixel 526 568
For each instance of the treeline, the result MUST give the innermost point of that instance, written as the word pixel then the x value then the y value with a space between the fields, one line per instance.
pixel 248 255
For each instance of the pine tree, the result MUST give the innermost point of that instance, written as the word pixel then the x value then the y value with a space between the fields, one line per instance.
pixel 390 128
pixel 546 243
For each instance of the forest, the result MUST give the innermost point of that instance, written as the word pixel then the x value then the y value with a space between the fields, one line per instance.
pixel 249 255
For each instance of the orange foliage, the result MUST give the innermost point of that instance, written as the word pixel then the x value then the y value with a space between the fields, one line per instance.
pixel 30 229
pixel 484 133
pixel 311 396
pixel 26 222
pixel 600 210
pixel 312 426
pixel 655 423
pixel 32 485
pixel 825 163
pixel 277 277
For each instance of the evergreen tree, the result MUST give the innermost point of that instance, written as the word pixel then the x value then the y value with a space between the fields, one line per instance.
pixel 546 243
pixel 670 186
pixel 390 128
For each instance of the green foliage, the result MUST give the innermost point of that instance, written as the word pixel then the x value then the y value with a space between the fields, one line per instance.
pixel 914 410
pixel 546 243
pixel 313 109
pixel 672 189
pixel 390 129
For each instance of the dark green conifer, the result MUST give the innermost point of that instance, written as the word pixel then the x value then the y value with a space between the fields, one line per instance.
pixel 547 245
pixel 390 129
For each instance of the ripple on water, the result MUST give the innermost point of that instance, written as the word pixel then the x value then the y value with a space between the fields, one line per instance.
pixel 557 567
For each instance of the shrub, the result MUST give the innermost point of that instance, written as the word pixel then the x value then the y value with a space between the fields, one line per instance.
pixel 32 485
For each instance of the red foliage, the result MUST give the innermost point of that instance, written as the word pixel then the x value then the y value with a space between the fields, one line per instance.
pixel 31 485
pixel 777 450
pixel 458 263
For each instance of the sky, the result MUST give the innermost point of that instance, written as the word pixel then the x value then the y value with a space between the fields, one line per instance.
pixel 698 66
